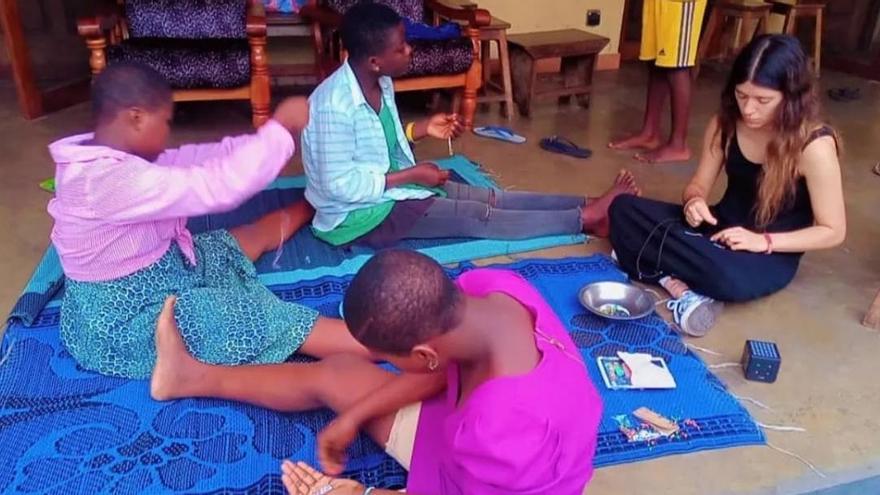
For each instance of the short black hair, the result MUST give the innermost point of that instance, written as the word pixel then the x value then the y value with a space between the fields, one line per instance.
pixel 125 85
pixel 400 299
pixel 365 28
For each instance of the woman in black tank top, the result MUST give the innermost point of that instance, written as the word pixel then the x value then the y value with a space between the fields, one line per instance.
pixel 784 194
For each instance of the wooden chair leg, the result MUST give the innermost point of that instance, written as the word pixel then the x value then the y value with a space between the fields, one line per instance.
pixel 504 58
pixel 469 97
pixel 97 55
pixel 763 24
pixel 260 85
pixel 706 41
pixel 434 104
pixel 872 317
pixel 96 42
pixel 523 71
pixel 473 80
pixel 485 58
pixel 791 22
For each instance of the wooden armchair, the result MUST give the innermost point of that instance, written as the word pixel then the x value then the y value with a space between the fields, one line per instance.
pixel 442 64
pixel 206 50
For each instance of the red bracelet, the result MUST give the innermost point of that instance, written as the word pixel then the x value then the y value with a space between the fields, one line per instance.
pixel 769 243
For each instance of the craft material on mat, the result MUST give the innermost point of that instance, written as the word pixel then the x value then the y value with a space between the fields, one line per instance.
pixel 69 431
pixel 304 257
pixel 635 371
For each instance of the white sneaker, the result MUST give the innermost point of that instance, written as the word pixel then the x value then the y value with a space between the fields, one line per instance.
pixel 695 314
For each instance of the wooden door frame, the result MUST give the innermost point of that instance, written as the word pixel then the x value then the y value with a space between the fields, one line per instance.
pixel 33 102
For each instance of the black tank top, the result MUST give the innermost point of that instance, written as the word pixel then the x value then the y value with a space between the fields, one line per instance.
pixel 737 206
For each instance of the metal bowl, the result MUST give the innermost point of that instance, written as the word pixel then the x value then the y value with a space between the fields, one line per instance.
pixel 617 301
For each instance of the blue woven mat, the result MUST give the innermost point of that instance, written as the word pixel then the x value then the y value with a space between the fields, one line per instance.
pixel 304 257
pixel 67 431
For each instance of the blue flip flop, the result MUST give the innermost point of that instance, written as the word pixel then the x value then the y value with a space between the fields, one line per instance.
pixel 557 144
pixel 500 133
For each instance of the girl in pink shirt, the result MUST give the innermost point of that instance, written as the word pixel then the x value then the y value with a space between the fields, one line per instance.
pixel 496 399
pixel 120 213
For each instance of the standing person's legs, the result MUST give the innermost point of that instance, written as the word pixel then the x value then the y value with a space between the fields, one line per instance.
pixel 679 34
pixel 658 85
pixel 676 148
pixel 649 136
pixel 450 217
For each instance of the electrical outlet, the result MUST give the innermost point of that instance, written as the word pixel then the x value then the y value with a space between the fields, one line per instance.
pixel 594 18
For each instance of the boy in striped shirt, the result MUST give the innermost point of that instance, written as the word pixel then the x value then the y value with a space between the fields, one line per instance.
pixel 364 182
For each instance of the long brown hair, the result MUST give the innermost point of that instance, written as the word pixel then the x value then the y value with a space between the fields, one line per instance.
pixel 776 62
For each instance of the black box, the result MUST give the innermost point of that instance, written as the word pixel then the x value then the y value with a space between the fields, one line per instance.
pixel 761 361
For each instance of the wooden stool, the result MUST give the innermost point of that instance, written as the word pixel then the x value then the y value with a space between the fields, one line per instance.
pixel 803 8
pixel 744 14
pixel 577 50
pixel 493 91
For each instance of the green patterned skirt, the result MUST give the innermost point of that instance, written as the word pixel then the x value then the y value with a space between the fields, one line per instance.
pixel 226 316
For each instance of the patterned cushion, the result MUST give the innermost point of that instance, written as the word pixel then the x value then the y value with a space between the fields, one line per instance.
pixel 414 10
pixel 189 19
pixel 433 58
pixel 190 64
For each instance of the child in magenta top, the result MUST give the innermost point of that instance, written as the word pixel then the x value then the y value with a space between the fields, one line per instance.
pixel 508 405
pixel 120 213
pixel 494 399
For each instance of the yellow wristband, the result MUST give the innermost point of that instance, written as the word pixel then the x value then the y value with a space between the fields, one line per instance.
pixel 409 132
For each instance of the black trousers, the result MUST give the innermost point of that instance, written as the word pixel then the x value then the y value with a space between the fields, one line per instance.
pixel 652 240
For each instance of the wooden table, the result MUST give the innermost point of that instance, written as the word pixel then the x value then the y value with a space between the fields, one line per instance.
pixel 577 50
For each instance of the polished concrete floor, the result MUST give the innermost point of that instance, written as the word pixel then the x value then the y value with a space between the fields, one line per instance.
pixel 827 384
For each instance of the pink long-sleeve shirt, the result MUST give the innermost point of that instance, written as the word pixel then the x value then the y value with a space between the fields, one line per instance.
pixel 116 213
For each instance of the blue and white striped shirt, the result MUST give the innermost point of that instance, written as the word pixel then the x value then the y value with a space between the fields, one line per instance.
pixel 344 151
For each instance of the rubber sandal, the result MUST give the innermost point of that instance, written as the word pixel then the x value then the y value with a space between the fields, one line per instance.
pixel 844 94
pixel 499 133
pixel 557 144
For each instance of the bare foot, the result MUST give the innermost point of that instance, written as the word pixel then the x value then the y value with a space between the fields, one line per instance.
pixel 665 154
pixel 175 367
pixel 595 214
pixel 637 142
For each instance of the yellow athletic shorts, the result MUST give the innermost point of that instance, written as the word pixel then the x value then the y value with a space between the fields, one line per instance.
pixel 671 32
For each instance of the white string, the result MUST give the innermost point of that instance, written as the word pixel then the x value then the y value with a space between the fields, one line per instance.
pixel 658 298
pixel 280 250
pixel 702 349
pixel 781 428
pixel 753 401
pixel 804 461
pixel 723 365
pixel 7 353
